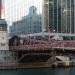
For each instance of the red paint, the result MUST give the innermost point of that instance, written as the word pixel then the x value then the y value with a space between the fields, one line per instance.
pixel 0 8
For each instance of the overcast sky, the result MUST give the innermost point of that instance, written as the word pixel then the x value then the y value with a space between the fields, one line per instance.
pixel 15 9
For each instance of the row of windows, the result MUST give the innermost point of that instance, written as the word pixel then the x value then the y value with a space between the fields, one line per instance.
pixel 61 15
pixel 30 29
pixel 26 25
pixel 3 44
pixel 8 58
pixel 3 53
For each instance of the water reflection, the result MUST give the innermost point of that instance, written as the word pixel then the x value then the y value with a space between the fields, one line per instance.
pixel 42 71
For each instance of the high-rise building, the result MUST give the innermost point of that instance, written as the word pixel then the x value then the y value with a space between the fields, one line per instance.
pixel 29 24
pixel 45 15
pixel 59 15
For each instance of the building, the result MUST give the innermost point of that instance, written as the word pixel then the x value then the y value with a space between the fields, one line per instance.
pixel 4 43
pixel 6 56
pixel 28 24
pixel 60 15
pixel 45 16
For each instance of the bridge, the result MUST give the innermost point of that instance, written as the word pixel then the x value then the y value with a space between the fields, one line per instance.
pixel 51 44
pixel 44 49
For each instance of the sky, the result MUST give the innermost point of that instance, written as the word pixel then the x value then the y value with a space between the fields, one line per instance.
pixel 15 9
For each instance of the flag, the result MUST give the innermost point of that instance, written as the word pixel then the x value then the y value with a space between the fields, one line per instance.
pixel 0 8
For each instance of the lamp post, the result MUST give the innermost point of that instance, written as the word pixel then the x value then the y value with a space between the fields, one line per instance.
pixel 53 31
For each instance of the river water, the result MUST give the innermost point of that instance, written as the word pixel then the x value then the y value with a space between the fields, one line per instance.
pixel 41 71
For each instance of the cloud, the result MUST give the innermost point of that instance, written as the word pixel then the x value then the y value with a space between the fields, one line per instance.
pixel 15 9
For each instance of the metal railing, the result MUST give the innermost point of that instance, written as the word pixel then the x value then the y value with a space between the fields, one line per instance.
pixel 46 44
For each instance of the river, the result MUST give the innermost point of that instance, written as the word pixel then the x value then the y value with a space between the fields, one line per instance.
pixel 41 71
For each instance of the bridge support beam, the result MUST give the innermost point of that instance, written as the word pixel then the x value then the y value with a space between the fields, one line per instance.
pixel 46 58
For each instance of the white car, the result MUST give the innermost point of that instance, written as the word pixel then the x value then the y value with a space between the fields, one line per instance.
pixel 57 37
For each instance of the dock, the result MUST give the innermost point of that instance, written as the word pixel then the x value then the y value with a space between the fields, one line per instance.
pixel 38 65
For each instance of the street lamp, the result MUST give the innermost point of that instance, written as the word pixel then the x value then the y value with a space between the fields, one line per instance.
pixel 54 31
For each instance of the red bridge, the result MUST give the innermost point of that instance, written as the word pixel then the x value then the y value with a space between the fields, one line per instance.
pixel 52 44
pixel 44 50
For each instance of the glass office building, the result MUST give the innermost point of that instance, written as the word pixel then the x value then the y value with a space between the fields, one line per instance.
pixel 29 24
pixel 61 15
pixel 23 16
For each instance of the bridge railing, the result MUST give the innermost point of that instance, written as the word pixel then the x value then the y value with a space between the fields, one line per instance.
pixel 46 44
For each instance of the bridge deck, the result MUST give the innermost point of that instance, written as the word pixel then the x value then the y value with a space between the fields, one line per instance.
pixel 52 44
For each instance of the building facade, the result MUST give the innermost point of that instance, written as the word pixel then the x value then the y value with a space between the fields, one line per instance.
pixel 6 56
pixel 28 24
pixel 61 15
pixel 45 15
pixel 4 43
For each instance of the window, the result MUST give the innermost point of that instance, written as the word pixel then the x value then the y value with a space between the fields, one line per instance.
pixel 1 28
pixel 2 44
pixel 2 37
pixel 4 58
pixel 15 58
pixel 5 52
pixel 1 53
